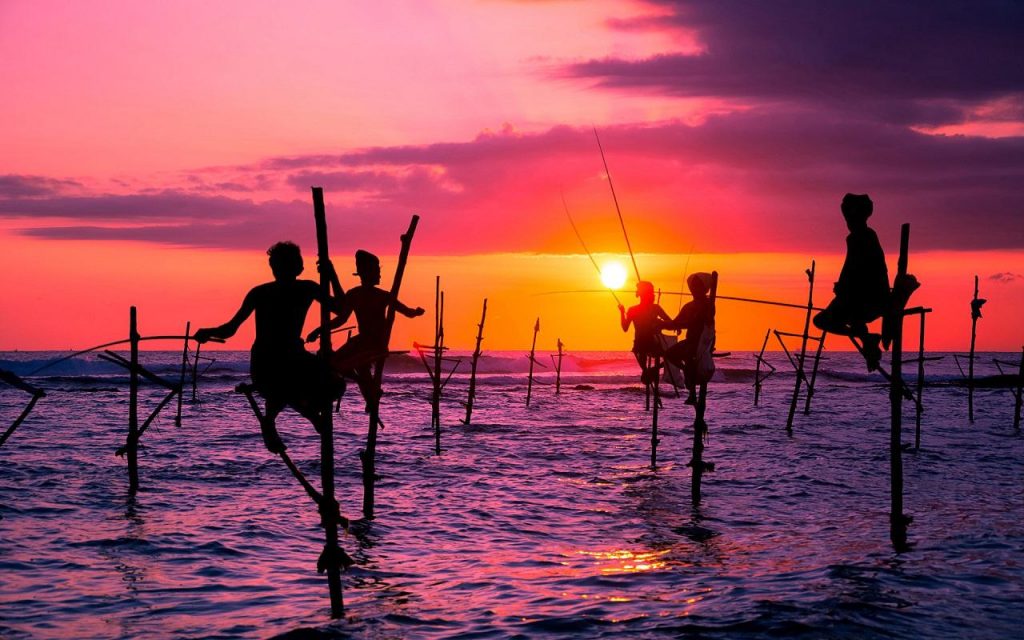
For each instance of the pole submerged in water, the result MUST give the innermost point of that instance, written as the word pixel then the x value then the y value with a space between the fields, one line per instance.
pixel 181 378
pixel 533 350
pixel 803 349
pixel 472 373
pixel 329 508
pixel 558 368
pixel 435 398
pixel 132 446
pixel 897 519
pixel 700 427
pixel 368 456
pixel 975 314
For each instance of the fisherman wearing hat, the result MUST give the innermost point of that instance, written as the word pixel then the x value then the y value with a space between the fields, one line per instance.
pixel 862 292
pixel 369 303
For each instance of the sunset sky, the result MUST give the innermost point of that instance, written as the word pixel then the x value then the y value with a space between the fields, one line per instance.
pixel 151 152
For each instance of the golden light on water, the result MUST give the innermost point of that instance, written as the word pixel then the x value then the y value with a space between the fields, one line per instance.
pixel 613 275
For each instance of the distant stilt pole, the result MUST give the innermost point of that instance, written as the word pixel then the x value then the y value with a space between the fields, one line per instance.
pixel 897 520
pixel 700 427
pixel 472 373
pixel 814 374
pixel 132 446
pixel 368 456
pixel 757 373
pixel 558 369
pixel 803 349
pixel 330 512
pixel 184 368
pixel 195 372
pixel 975 314
pixel 533 350
pixel 435 399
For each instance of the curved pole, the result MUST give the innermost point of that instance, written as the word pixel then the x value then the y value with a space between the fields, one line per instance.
pixel 104 346
pixel 617 209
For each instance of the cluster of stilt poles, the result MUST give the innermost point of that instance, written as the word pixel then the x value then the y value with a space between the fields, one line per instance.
pixel 333 559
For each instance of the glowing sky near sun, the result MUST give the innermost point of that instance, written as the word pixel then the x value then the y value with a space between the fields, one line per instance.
pixel 152 151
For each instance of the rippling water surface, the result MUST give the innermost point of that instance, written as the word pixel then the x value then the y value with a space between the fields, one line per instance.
pixel 534 522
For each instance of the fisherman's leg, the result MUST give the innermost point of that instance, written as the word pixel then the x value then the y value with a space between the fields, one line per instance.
pixel 268 426
pixel 834 318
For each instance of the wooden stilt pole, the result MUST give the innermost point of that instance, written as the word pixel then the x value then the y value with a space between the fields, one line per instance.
pixel 1019 394
pixel 330 560
pixel 533 359
pixel 814 375
pixel 919 405
pixel 184 368
pixel 435 399
pixel 195 372
pixel 757 372
pixel 656 392
pixel 13 380
pixel 132 445
pixel 897 520
pixel 558 368
pixel 368 456
pixel 803 349
pixel 700 427
pixel 472 373
pixel 975 314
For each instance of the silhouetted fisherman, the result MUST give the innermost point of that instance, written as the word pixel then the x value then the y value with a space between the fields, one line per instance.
pixel 370 304
pixel 694 316
pixel 282 371
pixel 862 292
pixel 646 319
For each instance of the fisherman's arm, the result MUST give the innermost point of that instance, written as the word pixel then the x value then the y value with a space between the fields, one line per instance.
pixel 624 318
pixel 406 311
pixel 228 329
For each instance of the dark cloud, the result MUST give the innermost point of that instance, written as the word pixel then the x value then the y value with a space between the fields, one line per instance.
pixel 744 181
pixel 920 62
pixel 1005 277
pixel 19 186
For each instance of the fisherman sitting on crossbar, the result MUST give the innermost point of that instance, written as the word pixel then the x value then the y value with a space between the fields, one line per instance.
pixel 282 371
pixel 369 303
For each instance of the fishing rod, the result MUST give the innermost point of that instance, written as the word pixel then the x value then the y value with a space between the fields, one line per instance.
pixel 618 210
pixel 686 272
pixel 773 303
pixel 584 244
pixel 110 344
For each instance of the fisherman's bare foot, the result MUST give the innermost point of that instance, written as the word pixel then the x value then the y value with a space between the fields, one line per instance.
pixel 691 398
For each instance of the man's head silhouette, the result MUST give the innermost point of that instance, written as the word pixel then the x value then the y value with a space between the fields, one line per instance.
pixel 856 208
pixel 645 291
pixel 285 260
pixel 367 267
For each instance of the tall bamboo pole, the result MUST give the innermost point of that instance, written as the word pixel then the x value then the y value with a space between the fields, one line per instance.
pixel 195 372
pixel 368 456
pixel 435 400
pixel 132 446
pixel 975 314
pixel 700 427
pixel 919 405
pixel 803 349
pixel 533 350
pixel 184 368
pixel 329 509
pixel 897 519
pixel 472 373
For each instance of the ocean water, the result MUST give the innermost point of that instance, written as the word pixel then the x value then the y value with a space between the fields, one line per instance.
pixel 539 522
